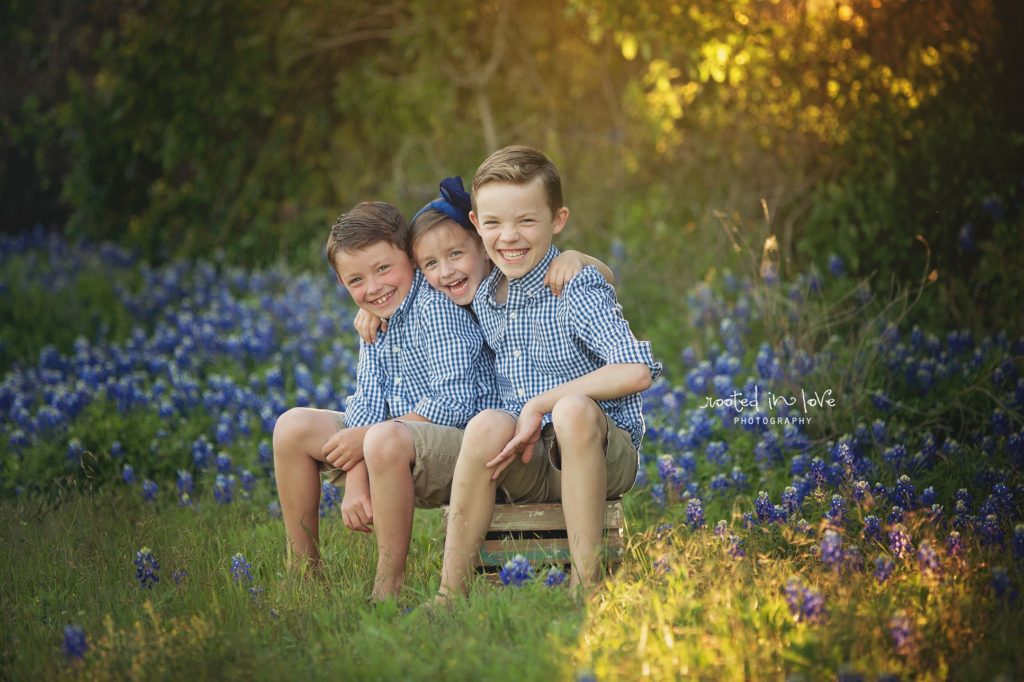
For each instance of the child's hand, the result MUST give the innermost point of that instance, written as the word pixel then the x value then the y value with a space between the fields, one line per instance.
pixel 356 510
pixel 526 436
pixel 367 324
pixel 562 269
pixel 344 449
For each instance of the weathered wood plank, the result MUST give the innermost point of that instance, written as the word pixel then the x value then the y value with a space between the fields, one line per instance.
pixel 525 517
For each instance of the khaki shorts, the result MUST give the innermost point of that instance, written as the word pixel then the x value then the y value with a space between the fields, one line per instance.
pixel 437 450
pixel 540 480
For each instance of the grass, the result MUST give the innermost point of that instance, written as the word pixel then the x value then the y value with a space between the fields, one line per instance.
pixel 680 606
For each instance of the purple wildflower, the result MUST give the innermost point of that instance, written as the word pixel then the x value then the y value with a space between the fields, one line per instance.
pixel 75 644
pixel 884 566
pixel 146 568
pixel 899 541
pixel 517 571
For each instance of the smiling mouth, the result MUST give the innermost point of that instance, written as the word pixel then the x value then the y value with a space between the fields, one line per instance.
pixel 513 255
pixel 458 287
pixel 383 300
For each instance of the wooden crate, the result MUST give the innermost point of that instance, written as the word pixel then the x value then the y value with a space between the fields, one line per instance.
pixel 537 531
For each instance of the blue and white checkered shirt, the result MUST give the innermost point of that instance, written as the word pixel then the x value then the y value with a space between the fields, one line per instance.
pixel 542 341
pixel 432 360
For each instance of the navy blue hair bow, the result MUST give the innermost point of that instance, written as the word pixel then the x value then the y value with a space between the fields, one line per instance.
pixel 454 202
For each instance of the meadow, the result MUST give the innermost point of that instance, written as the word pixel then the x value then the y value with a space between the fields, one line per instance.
pixel 861 522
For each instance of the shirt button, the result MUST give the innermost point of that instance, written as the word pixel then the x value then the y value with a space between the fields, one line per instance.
pixel 398 380
pixel 516 353
pixel 522 393
pixel 512 315
pixel 397 349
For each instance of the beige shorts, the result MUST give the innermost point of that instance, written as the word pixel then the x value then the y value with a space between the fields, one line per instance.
pixel 437 450
pixel 540 480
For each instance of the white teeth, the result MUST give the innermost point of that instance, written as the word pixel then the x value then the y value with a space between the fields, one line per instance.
pixel 383 299
pixel 513 255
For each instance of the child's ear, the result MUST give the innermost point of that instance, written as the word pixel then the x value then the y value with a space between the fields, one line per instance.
pixel 473 219
pixel 561 218
pixel 337 277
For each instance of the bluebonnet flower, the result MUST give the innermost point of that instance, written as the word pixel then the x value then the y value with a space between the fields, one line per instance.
pixel 739 478
pixel 995 208
pixel 186 486
pixel 790 503
pixel 818 472
pixel 128 474
pixel 961 519
pixel 201 451
pixel 805 605
pixel 860 490
pixel 763 507
pixel 928 558
pixel 836 265
pixel 695 513
pixel 896 515
pixel 149 490
pixel 74 452
pixel 75 644
pixel 832 549
pixel 884 566
pixel 899 541
pixel 721 528
pixel 248 481
pixel 719 483
pixel 928 496
pixel 1018 541
pixel 717 452
pixel 240 568
pixel 554 577
pixel 146 568
pixel 836 510
pixel 274 509
pixel 895 455
pixel 879 491
pixel 903 493
pixel 179 576
pixel 954 545
pixel 991 531
pixel 223 463
pixel 804 527
pixel 330 498
pixel 1001 585
pixel 748 520
pixel 736 550
pixel 878 430
pixel 517 571
pixel 265 456
pixel 224 488
pixel 902 633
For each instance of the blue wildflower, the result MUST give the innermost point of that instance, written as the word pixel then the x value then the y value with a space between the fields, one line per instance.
pixel 128 474
pixel 149 490
pixel 805 605
pixel 240 568
pixel 179 576
pixel 223 463
pixel 224 488
pixel 554 577
pixel 75 644
pixel 991 531
pixel 872 528
pixel 965 236
pixel 330 498
pixel 954 544
pixel 517 571
pixel 836 265
pixel 902 633
pixel 763 507
pixel 1018 541
pixel 146 568
pixel 884 566
pixel 899 541
pixel 837 510
pixel 186 486
pixel 274 509
pixel 896 515
pixel 695 513
pixel 790 503
pixel 832 549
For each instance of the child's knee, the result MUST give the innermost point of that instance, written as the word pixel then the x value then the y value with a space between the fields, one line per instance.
pixel 578 415
pixel 486 434
pixel 388 444
pixel 290 429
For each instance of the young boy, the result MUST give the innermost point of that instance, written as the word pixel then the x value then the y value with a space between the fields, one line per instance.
pixel 430 372
pixel 569 374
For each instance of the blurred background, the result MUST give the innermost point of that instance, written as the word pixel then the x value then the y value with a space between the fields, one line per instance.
pixel 888 133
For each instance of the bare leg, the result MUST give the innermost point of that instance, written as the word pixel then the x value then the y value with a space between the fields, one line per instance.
pixel 472 505
pixel 581 432
pixel 298 436
pixel 390 454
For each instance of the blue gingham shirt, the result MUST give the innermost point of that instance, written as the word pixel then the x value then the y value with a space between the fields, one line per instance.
pixel 542 341
pixel 432 360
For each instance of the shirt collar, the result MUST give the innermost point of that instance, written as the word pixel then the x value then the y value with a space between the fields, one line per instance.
pixel 533 281
pixel 529 284
pixel 403 307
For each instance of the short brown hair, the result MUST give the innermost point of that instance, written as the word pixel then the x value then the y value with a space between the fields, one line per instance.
pixel 520 165
pixel 365 225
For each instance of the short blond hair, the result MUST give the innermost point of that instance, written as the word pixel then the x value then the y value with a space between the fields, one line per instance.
pixel 520 164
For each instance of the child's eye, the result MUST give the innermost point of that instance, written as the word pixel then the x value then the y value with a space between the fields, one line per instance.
pixel 383 268
pixel 456 253
pixel 428 264
pixel 354 281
